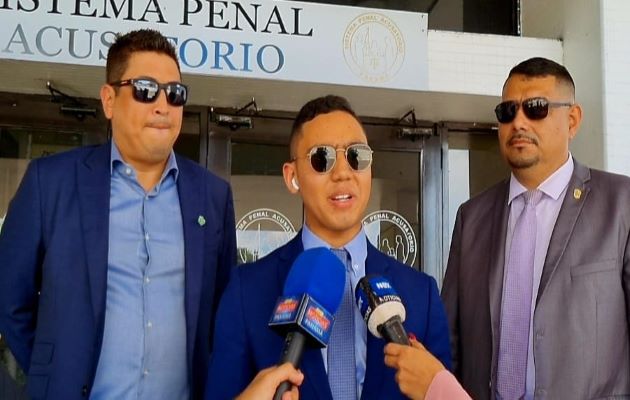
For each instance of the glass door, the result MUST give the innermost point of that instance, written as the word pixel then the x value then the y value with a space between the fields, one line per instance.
pixel 267 216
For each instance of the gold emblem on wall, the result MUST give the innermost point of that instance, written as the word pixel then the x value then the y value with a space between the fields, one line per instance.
pixel 373 47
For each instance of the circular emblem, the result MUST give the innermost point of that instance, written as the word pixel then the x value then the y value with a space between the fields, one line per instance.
pixel 392 234
pixel 261 231
pixel 374 47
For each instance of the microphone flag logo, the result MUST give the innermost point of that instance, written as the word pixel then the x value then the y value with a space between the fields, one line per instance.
pixel 305 313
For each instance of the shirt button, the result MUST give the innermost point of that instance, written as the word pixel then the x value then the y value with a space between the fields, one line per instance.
pixel 128 171
pixel 149 324
pixel 146 237
pixel 147 279
pixel 145 372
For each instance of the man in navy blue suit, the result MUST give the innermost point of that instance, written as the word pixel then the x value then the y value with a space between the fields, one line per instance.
pixel 330 169
pixel 113 257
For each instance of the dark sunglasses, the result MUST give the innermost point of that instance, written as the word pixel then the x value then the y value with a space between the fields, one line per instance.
pixel 147 90
pixel 535 108
pixel 322 158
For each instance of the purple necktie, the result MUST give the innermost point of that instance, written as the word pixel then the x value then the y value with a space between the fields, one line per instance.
pixel 341 362
pixel 517 300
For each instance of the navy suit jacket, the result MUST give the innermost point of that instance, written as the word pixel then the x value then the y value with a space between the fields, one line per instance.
pixel 244 344
pixel 53 268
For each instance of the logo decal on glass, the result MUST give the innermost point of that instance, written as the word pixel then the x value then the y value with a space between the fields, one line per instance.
pixel 374 47
pixel 392 234
pixel 261 231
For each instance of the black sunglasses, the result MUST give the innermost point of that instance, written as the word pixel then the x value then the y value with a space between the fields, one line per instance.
pixel 535 108
pixel 146 90
pixel 322 158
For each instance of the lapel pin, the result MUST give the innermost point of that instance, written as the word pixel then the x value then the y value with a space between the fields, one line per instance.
pixel 201 220
pixel 577 193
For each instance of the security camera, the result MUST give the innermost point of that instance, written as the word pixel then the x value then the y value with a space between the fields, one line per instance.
pixel 234 122
pixel 78 112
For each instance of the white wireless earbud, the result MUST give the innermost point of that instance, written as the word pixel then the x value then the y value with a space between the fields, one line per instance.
pixel 295 183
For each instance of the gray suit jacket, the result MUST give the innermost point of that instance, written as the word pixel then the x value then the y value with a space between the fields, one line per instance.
pixel 582 314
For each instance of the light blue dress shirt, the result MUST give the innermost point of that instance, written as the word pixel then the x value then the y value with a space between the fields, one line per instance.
pixel 357 249
pixel 554 189
pixel 143 355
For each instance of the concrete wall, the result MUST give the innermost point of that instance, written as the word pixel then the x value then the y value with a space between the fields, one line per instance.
pixel 474 63
pixel 579 25
pixel 615 23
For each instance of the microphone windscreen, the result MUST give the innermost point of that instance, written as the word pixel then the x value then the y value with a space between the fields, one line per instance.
pixel 378 302
pixel 320 274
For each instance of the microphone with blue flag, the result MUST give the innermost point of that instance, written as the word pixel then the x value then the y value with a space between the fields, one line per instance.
pixel 304 314
pixel 382 309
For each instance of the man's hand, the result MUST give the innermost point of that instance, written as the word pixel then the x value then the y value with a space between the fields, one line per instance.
pixel 415 367
pixel 265 383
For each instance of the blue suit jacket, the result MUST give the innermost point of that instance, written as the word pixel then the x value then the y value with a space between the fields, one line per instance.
pixel 244 344
pixel 53 268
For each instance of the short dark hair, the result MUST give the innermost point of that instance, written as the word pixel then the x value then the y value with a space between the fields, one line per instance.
pixel 132 42
pixel 315 107
pixel 538 67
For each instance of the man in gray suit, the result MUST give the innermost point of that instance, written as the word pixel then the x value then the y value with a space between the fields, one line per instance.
pixel 537 289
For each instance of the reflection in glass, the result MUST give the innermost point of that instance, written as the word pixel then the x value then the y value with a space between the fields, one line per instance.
pixel 392 221
pixel 392 234
pixel 260 232
pixel 268 216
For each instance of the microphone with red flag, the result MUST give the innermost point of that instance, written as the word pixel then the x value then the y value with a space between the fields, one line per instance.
pixel 304 314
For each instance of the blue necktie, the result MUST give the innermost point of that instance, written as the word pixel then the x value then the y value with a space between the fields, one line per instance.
pixel 517 301
pixel 341 361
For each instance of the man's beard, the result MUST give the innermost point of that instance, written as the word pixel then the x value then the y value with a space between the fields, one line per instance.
pixel 519 162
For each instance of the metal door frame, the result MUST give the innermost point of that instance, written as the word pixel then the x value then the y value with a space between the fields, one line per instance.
pixel 273 128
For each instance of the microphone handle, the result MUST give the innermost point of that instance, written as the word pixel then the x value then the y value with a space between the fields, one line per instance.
pixel 292 352
pixel 393 331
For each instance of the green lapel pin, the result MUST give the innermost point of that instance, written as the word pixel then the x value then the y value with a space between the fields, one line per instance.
pixel 201 220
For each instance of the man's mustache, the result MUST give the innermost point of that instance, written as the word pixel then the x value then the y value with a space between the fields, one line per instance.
pixel 522 136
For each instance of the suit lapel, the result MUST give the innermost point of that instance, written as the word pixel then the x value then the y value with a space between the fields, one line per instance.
pixel 93 187
pixel 190 187
pixel 496 264
pixel 377 264
pixel 288 254
pixel 567 218
pixel 316 379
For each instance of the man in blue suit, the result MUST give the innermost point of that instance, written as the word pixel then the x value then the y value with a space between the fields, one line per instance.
pixel 330 169
pixel 113 257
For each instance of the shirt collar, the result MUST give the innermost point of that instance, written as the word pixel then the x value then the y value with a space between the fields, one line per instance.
pixel 357 247
pixel 171 164
pixel 553 186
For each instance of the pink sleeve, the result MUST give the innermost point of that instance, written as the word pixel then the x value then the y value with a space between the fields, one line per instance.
pixel 445 386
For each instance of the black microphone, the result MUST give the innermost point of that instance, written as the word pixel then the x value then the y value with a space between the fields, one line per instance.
pixel 382 309
pixel 304 314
